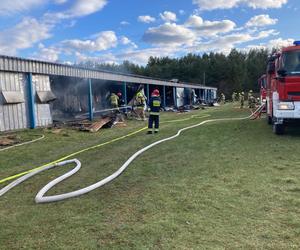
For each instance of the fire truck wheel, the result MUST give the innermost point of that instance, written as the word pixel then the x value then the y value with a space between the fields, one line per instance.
pixel 269 120
pixel 278 129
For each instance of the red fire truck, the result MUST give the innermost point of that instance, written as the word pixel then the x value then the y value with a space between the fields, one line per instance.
pixel 283 87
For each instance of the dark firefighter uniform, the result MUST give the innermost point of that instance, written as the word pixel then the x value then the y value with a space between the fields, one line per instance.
pixel 154 106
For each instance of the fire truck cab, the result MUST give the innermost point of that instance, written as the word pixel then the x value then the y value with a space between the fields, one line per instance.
pixel 283 87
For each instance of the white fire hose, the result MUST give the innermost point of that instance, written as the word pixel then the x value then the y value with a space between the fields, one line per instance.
pixel 22 144
pixel 40 198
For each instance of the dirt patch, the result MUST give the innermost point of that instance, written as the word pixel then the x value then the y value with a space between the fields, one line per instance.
pixel 9 140
pixel 120 125
pixel 56 131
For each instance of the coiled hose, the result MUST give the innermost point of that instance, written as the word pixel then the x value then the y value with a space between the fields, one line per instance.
pixel 41 198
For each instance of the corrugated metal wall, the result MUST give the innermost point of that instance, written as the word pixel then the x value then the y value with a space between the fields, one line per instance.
pixel 16 116
pixel 13 116
pixel 42 110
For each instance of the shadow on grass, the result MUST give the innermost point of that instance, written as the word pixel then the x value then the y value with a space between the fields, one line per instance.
pixel 293 128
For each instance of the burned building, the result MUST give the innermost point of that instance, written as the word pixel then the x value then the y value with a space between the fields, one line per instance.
pixel 33 93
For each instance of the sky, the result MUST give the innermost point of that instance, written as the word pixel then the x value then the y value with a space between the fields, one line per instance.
pixel 112 31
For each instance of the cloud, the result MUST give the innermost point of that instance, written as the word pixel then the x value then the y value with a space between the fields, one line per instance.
pixel 176 46
pixel 279 43
pixel 79 8
pixel 182 12
pixel 126 41
pixel 272 44
pixel 103 58
pixel 168 16
pixel 102 41
pixel 194 21
pixel 142 56
pixel 137 56
pixel 228 4
pixel 84 8
pixel 47 54
pixel 209 28
pixel 23 35
pixel 261 21
pixel 265 4
pixel 31 31
pixel 60 1
pixel 169 34
pixel 267 33
pixel 9 7
pixel 146 19
pixel 216 4
pixel 224 44
pixel 124 23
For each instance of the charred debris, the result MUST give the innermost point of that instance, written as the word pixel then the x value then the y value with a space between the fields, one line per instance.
pixel 70 107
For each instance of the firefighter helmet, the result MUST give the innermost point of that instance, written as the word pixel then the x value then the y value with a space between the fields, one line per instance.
pixel 155 92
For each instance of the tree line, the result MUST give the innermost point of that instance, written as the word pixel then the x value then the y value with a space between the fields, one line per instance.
pixel 237 71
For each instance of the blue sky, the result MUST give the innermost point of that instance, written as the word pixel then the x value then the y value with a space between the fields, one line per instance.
pixel 116 30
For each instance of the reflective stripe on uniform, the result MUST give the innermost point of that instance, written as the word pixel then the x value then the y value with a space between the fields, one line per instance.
pixel 156 103
pixel 154 113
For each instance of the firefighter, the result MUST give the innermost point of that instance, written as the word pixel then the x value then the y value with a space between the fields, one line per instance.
pixel 242 99
pixel 233 97
pixel 258 103
pixel 223 99
pixel 252 102
pixel 154 108
pixel 114 99
pixel 250 93
pixel 121 101
pixel 140 101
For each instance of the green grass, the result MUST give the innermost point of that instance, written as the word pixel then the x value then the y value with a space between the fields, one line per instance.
pixel 229 185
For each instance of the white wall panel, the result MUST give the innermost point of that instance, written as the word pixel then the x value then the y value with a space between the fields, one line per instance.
pixel 13 116
pixel 42 110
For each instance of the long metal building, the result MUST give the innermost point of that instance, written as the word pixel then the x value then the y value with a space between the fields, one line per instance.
pixel 33 92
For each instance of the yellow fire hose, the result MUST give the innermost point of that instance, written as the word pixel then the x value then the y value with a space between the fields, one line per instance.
pixel 94 147
pixel 41 198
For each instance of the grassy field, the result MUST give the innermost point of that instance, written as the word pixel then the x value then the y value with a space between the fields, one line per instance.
pixel 229 185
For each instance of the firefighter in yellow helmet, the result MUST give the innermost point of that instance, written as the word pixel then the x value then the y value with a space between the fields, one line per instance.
pixel 114 100
pixel 140 101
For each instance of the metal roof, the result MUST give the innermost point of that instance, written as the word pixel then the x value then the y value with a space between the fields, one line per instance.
pixel 15 64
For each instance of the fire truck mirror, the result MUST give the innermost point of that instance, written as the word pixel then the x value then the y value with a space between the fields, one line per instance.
pixel 281 72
